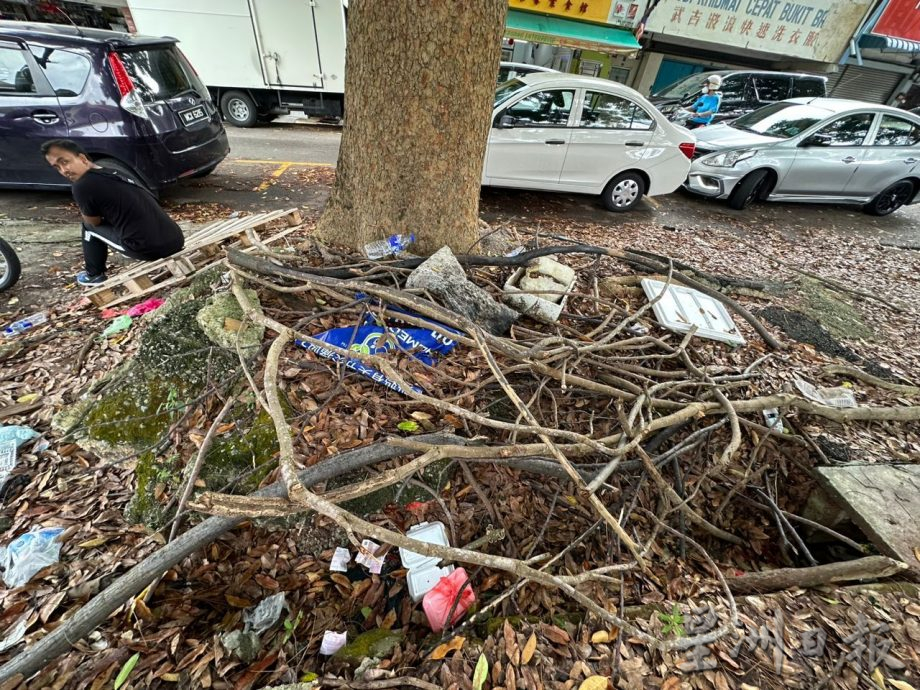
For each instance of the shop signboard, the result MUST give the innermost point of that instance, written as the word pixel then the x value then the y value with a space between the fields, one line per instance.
pixel 900 19
pixel 613 12
pixel 817 30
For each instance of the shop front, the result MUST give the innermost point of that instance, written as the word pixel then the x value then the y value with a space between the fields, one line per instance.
pixel 884 59
pixel 591 37
pixel 99 14
pixel 688 36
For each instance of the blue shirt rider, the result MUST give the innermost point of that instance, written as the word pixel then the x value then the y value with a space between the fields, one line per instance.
pixel 708 104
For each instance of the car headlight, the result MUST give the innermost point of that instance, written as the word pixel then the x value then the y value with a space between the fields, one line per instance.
pixel 728 159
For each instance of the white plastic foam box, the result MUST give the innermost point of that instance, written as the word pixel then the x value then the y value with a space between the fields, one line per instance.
pixel 423 571
pixel 534 305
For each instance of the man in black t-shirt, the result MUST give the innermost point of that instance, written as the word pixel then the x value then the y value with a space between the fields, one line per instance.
pixel 117 212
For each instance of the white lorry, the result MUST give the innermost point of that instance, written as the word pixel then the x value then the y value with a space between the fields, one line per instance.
pixel 258 58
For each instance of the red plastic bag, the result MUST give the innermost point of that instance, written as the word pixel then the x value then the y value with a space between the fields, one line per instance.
pixel 439 600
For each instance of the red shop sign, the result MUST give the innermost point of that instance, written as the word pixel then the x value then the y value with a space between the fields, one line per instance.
pixel 900 19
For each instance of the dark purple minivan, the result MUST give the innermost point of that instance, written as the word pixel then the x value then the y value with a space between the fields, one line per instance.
pixel 133 102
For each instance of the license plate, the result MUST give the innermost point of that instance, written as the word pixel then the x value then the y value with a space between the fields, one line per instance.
pixel 193 115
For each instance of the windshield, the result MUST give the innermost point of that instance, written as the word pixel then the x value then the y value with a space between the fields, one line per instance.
pixel 686 86
pixel 505 91
pixel 160 74
pixel 780 120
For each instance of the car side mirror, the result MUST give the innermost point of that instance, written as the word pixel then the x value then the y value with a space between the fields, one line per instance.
pixel 505 122
pixel 817 140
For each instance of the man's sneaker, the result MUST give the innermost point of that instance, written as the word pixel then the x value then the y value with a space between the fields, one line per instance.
pixel 83 278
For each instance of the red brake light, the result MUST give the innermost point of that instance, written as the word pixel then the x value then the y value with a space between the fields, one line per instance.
pixel 122 79
pixel 687 148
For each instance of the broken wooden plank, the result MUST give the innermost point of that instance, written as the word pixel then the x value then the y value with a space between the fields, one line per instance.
pixel 884 501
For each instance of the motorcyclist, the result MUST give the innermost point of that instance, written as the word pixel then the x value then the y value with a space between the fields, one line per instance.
pixel 707 105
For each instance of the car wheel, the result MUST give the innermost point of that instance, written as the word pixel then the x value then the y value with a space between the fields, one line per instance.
pixel 238 109
pixel 125 171
pixel 623 192
pixel 749 189
pixel 891 199
pixel 9 266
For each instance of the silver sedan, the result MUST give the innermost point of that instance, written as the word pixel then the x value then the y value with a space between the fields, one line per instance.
pixel 812 149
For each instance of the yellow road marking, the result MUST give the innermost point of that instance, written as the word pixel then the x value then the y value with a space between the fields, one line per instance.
pixel 283 163
pixel 281 168
pixel 279 171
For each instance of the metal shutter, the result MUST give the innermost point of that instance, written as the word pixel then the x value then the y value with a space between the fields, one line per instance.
pixel 864 84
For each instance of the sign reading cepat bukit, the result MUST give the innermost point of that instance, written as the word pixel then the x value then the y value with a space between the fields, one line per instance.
pixel 814 29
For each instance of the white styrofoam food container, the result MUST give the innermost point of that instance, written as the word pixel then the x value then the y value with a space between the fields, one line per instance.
pixel 535 306
pixel 424 572
pixel 680 308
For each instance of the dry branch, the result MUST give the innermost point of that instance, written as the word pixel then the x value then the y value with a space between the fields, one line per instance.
pixel 97 610
pixel 868 568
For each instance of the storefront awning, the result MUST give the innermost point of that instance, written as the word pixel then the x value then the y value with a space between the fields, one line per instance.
pixel 539 28
pixel 889 43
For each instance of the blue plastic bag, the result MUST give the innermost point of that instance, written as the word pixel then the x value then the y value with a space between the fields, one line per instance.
pixel 28 553
pixel 20 434
pixel 371 338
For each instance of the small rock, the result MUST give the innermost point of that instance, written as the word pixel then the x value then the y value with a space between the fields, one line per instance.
pixel 245 645
pixel 443 276
pixel 371 644
pixel 223 308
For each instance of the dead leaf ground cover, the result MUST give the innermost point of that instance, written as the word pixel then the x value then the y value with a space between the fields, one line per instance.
pixel 176 631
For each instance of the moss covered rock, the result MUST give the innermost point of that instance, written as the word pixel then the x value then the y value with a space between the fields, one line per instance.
pixel 376 644
pixel 176 363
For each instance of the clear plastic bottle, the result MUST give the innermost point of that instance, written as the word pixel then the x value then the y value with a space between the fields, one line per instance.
pixel 25 324
pixel 394 244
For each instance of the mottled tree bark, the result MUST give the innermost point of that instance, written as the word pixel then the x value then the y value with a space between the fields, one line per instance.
pixel 420 77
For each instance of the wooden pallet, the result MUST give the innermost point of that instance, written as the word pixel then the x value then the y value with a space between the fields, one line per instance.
pixel 202 249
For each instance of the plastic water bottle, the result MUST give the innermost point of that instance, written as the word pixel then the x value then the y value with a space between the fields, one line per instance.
pixel 25 324
pixel 394 244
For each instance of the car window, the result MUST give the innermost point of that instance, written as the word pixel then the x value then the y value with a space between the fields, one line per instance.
pixel 67 71
pixel 682 88
pixel 847 131
pixel 543 109
pixel 15 74
pixel 506 91
pixel 733 88
pixel 895 131
pixel 606 111
pixel 781 120
pixel 808 88
pixel 157 73
pixel 771 88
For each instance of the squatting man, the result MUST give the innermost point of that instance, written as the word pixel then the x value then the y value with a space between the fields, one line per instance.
pixel 118 212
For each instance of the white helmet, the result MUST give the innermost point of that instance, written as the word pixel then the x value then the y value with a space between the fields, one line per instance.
pixel 715 81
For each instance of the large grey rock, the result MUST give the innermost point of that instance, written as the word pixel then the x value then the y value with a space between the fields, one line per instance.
pixel 444 277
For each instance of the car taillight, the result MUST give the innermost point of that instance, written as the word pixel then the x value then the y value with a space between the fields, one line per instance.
pixel 130 98
pixel 687 148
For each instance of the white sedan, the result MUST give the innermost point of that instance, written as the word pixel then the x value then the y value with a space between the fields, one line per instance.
pixel 568 133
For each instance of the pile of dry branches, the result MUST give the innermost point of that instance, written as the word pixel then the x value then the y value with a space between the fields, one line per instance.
pixel 593 401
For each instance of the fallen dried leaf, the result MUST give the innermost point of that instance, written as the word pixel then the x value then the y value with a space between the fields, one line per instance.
pixel 555 634
pixel 442 650
pixel 237 602
pixel 594 683
pixel 529 649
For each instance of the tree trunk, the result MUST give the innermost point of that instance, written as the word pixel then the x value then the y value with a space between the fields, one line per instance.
pixel 420 78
